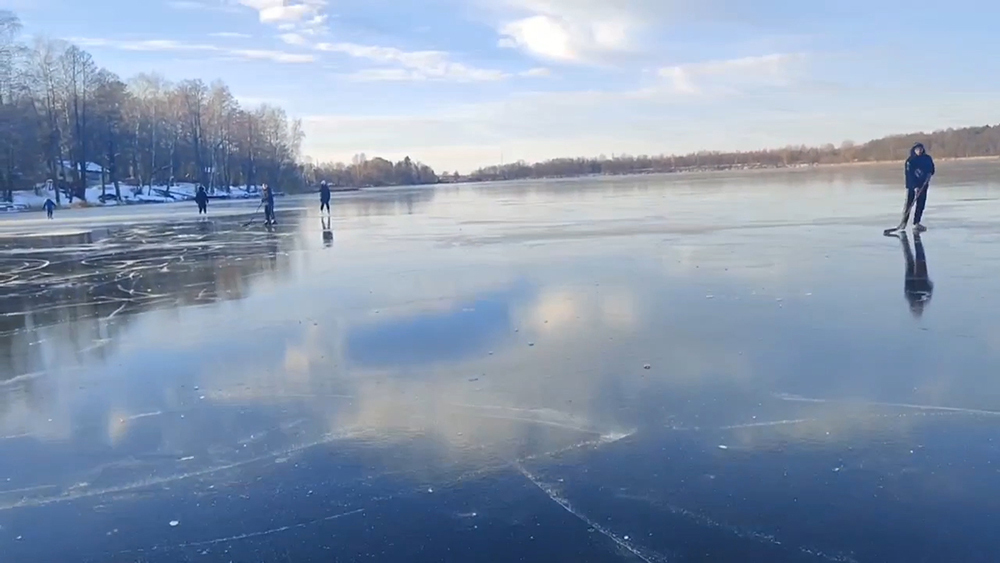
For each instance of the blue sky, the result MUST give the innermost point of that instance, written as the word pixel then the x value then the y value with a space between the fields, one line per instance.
pixel 458 83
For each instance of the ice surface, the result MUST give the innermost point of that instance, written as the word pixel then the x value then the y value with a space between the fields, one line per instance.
pixel 157 367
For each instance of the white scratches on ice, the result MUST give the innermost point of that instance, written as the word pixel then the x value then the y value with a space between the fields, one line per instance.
pixel 98 343
pixel 542 422
pixel 978 412
pixel 622 542
pixel 27 489
pixel 245 536
pixel 22 377
pixel 545 417
pixel 140 416
pixel 14 437
pixel 118 310
pixel 769 423
pixel 605 439
pixel 271 531
pixel 739 532
pixel 74 494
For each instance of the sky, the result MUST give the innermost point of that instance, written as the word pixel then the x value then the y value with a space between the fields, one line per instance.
pixel 460 84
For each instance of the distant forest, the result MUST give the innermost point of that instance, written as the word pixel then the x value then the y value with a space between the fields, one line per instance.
pixel 951 143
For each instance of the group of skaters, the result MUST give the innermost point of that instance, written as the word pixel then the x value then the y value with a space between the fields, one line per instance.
pixel 267 201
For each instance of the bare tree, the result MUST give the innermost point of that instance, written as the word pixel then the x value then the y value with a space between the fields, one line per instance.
pixel 111 97
pixel 18 140
pixel 80 74
pixel 47 90
pixel 192 98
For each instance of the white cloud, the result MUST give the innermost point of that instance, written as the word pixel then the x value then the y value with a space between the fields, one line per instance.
pixel 203 5
pixel 411 65
pixel 385 75
pixel 566 40
pixel 308 13
pixel 230 35
pixel 539 72
pixel 275 56
pixel 576 31
pixel 734 75
pixel 293 39
pixel 170 45
pixel 293 13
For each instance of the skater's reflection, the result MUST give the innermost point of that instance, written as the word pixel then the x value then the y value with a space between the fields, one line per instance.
pixel 917 286
pixel 327 231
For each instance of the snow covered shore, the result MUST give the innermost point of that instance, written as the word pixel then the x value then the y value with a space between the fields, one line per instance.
pixel 33 199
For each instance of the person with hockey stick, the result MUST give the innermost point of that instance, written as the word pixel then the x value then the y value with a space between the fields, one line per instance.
pixel 919 169
pixel 267 197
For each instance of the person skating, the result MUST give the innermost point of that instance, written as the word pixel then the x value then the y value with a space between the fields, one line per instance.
pixel 324 197
pixel 50 207
pixel 201 198
pixel 268 199
pixel 919 169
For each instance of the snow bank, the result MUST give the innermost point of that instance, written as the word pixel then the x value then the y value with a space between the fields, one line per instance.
pixel 34 199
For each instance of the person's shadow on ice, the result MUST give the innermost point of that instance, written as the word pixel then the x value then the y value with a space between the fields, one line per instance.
pixel 327 232
pixel 917 285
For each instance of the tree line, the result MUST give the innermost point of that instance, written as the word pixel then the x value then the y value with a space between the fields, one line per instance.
pixel 950 143
pixel 377 172
pixel 62 116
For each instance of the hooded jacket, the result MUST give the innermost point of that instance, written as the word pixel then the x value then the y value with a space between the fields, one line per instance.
pixel 918 168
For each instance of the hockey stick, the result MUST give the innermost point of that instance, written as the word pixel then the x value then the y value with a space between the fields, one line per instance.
pixel 254 216
pixel 907 208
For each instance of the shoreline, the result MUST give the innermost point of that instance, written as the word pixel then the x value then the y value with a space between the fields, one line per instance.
pixel 747 169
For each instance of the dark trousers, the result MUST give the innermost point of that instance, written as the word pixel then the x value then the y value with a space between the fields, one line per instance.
pixel 921 203
pixel 202 208
pixel 324 205
pixel 48 212
pixel 268 214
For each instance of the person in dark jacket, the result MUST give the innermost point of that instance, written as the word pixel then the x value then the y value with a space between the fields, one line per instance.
pixel 268 198
pixel 324 197
pixel 919 169
pixel 917 285
pixel 201 198
pixel 50 207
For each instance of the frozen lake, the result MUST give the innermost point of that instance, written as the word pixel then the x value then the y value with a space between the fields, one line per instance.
pixel 723 367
